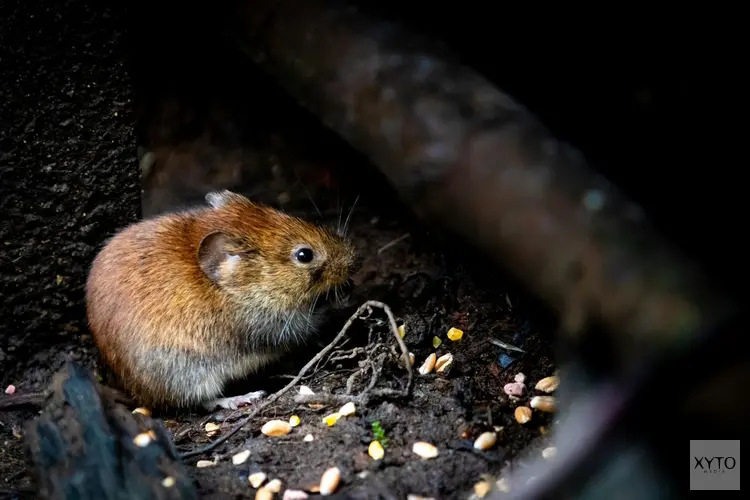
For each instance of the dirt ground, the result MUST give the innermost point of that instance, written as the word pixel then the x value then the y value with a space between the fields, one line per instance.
pixel 70 180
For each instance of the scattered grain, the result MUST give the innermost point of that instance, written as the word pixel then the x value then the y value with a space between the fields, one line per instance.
pixel 204 463
pixel 455 334
pixel 275 428
pixel 168 482
pixel 263 494
pixel 241 457
pixel 294 420
pixel 548 384
pixel 436 342
pixel 544 403
pixel 443 362
pixel 482 488
pixel 142 440
pixel 256 479
pixel 514 389
pixel 294 495
pixel 348 409
pixel 549 453
pixel 375 450
pixel 425 450
pixel 523 414
pixel 330 481
pixel 485 441
pixel 331 419
pixel 212 429
pixel 428 364
pixel 274 485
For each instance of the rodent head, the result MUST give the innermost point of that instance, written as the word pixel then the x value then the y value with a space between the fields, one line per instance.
pixel 266 258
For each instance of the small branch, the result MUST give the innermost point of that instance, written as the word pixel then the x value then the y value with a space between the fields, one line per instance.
pixel 313 362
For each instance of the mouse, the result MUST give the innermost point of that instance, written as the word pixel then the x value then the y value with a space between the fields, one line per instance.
pixel 180 304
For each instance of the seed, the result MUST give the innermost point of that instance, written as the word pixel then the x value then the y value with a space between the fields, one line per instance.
pixel 330 481
pixel 142 411
pixel 514 389
pixel 503 485
pixel 485 441
pixel 241 457
pixel 348 409
pixel 274 485
pixel 204 463
pixel 11 389
pixel 308 438
pixel 294 421
pixel 212 429
pixel 428 364
pixel 425 450
pixel 294 495
pixel 168 482
pixel 375 450
pixel 520 378
pixel 523 414
pixel 548 384
pixel 544 403
pixel 482 488
pixel 276 428
pixel 332 418
pixel 549 453
pixel 256 479
pixel 142 440
pixel 443 362
pixel 306 391
pixel 263 494
pixel 402 331
pixel 455 334
pixel 436 342
pixel 418 497
pixel 411 358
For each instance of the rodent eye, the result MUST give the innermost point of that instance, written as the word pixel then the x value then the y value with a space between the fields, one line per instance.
pixel 304 255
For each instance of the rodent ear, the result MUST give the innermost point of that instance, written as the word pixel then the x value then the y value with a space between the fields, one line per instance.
pixel 218 199
pixel 214 249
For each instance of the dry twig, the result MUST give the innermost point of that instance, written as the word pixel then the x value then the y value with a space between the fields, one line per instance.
pixel 313 362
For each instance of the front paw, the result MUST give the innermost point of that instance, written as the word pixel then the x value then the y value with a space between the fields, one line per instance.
pixel 235 402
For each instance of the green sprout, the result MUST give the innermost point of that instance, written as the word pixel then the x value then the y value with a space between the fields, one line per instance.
pixel 379 433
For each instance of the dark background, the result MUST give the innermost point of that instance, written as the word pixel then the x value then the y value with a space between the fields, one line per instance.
pixel 651 97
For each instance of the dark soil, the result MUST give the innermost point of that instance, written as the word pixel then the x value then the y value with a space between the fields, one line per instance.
pixel 70 180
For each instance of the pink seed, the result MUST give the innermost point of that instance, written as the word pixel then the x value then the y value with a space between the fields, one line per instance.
pixel 514 389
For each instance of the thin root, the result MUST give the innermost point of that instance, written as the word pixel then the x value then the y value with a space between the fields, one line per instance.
pixel 313 362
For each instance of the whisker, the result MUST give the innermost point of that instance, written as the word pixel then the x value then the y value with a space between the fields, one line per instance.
pixel 341 211
pixel 348 217
pixel 299 179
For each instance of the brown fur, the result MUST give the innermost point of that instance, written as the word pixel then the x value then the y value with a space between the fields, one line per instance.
pixel 182 303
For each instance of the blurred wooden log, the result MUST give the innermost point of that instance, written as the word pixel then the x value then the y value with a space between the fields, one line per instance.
pixel 473 162
pixel 82 447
